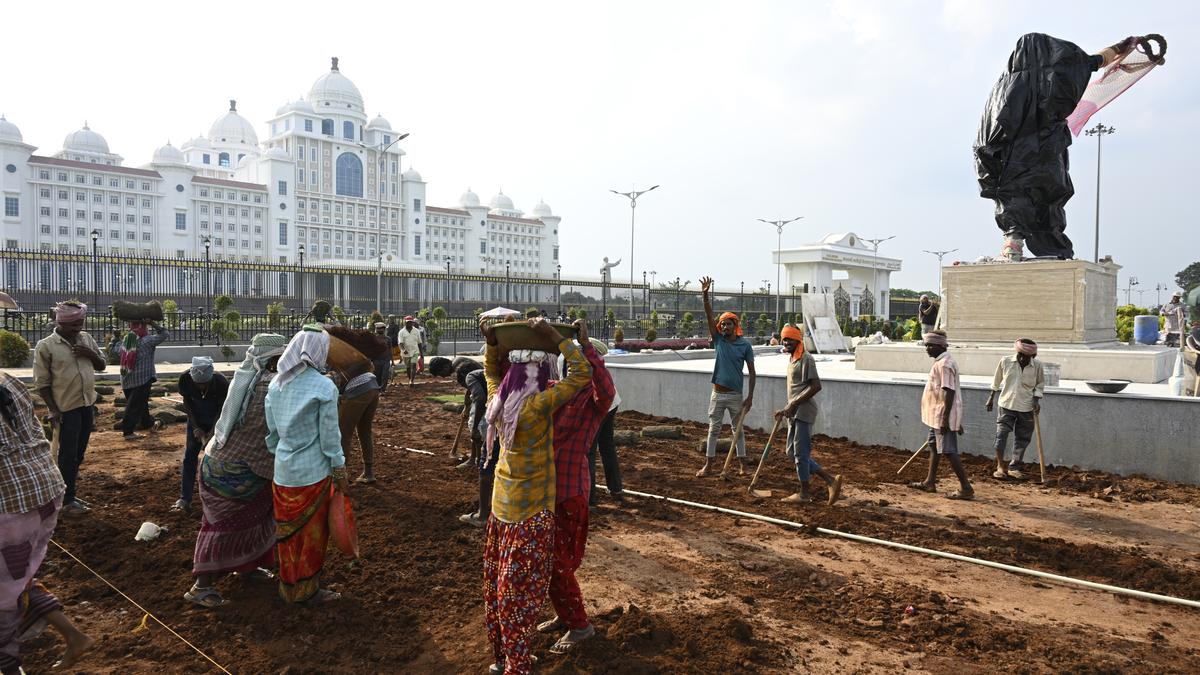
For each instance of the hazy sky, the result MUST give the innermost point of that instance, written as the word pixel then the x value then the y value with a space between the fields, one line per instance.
pixel 857 115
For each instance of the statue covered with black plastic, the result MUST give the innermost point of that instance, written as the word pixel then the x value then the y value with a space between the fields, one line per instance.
pixel 1021 149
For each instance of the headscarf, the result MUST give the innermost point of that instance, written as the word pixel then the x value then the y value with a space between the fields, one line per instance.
pixel 201 370
pixel 937 339
pixel 790 332
pixel 522 380
pixel 737 323
pixel 263 348
pixel 1027 348
pixel 68 312
pixel 129 348
pixel 309 347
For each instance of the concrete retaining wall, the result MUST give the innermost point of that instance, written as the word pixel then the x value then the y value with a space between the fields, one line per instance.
pixel 1122 434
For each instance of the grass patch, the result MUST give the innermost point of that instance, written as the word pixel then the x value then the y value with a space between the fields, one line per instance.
pixel 445 398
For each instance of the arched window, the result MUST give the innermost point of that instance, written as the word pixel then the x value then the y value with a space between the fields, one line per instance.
pixel 349 175
pixel 241 155
pixel 327 127
pixel 348 130
pixel 223 159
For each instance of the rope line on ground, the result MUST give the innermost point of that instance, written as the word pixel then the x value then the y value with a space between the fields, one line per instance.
pixel 926 551
pixel 145 611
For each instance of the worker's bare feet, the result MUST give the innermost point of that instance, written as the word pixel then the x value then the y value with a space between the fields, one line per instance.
pixel 77 645
pixel 797 498
pixel 703 471
pixel 741 467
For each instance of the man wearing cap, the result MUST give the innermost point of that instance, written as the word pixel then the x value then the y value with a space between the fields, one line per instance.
pixel 1020 382
pixel 138 374
pixel 941 411
pixel 203 392
pixel 1176 317
pixel 803 383
pixel 409 341
pixel 383 363
pixel 733 353
pixel 927 313
pixel 65 364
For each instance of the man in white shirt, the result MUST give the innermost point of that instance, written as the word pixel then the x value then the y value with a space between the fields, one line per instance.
pixel 409 342
pixel 1020 381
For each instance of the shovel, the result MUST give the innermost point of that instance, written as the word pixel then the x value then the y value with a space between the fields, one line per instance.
pixel 914 456
pixel 462 424
pixel 737 432
pixel 766 450
pixel 1037 428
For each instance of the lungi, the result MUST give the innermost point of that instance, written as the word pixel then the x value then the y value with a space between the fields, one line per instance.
pixel 237 530
pixel 517 564
pixel 301 533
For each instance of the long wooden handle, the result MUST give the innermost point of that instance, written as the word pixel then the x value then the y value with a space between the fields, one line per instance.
pixel 914 456
pixel 764 453
pixel 1037 428
pixel 462 424
pixel 737 431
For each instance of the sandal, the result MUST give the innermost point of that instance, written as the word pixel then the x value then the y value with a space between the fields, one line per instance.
pixel 572 638
pixel 552 626
pixel 961 496
pixel 322 596
pixel 182 506
pixel 923 487
pixel 206 597
pixel 835 489
pixel 999 475
pixel 365 480
pixel 498 668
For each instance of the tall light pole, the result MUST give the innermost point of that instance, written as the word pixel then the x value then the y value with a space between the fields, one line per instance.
pixel 448 259
pixel 650 292
pixel 874 267
pixel 1133 281
pixel 558 287
pixel 96 268
pixel 507 294
pixel 778 224
pixel 300 281
pixel 940 255
pixel 1158 289
pixel 633 197
pixel 207 287
pixel 1099 131
pixel 382 149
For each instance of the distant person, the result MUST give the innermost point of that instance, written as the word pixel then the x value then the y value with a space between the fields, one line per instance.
pixel 203 392
pixel 383 363
pixel 803 384
pixel 927 312
pixel 941 411
pixel 65 364
pixel 356 415
pixel 733 353
pixel 1176 319
pixel 409 340
pixel 138 374
pixel 1020 382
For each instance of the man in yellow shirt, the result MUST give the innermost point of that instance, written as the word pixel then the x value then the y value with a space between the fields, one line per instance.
pixel 519 553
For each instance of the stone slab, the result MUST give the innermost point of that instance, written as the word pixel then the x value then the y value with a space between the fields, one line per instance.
pixel 1071 302
pixel 1136 363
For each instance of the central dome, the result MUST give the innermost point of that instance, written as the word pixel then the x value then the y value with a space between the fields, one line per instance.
pixel 333 90
pixel 86 140
pixel 9 131
pixel 167 154
pixel 501 202
pixel 233 128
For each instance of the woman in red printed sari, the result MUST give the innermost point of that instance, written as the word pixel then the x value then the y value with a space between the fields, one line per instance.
pixel 302 421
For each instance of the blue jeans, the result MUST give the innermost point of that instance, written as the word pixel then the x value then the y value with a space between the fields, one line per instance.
pixel 799 447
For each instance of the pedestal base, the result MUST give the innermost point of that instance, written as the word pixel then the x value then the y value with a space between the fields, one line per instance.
pixel 1136 363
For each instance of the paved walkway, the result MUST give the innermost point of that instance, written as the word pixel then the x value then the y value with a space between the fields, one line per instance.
pixel 113 373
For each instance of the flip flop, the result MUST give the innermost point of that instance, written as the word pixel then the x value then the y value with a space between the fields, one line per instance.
pixel 207 598
pixel 573 637
pixel 1000 475
pixel 551 626
pixel 961 496
pixel 918 485
pixel 322 596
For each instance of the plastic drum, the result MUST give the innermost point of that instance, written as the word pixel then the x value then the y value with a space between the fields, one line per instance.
pixel 1145 329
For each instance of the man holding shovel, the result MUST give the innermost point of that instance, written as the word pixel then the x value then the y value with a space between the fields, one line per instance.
pixel 941 411
pixel 1020 381
pixel 801 411
pixel 733 352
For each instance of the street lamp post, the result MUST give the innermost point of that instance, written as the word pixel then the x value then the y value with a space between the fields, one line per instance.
pixel 742 301
pixel 633 197
pixel 96 268
pixel 507 294
pixel 940 255
pixel 644 290
pixel 300 280
pixel 778 224
pixel 874 268
pixel 558 287
pixel 448 259
pixel 1133 281
pixel 207 286
pixel 1158 289
pixel 1099 131
pixel 382 149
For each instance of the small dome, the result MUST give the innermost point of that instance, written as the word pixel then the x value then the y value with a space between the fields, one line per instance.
pixel 542 210
pixel 411 174
pixel 335 90
pixel 233 128
pixel 9 131
pixel 199 142
pixel 380 122
pixel 501 202
pixel 299 105
pixel 468 198
pixel 86 140
pixel 167 154
pixel 278 153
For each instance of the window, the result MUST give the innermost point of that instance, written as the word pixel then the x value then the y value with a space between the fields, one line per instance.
pixel 245 197
pixel 62 213
pixel 327 129
pixel 145 203
pixel 45 228
pixel 349 175
pixel 12 207
pixel 206 158
pixel 313 156
pixel 230 211
pixel 245 213
pixel 97 215
pixel 131 236
pixel 44 193
pixel 204 208
pixel 114 182
pixel 114 200
pixel 181 221
pixel 130 218
pixel 114 217
pixel 282 187
pixel 145 220
pixel 146 186
pixel 204 224
pixel 97 180
pixel 98 198
pixel 218 195
pixel 258 214
pixel 416 244
pixel 45 210
pixel 257 199
pixel 145 236
pixel 283 233
pixel 416 205
pixel 348 130
pixel 128 185
pixel 308 125
pixel 223 159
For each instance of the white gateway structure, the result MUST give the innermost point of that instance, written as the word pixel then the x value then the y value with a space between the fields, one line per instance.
pixel 841 263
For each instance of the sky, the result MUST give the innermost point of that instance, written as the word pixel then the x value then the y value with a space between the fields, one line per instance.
pixel 858 116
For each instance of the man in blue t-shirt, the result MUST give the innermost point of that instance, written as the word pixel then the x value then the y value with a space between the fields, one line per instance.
pixel 733 352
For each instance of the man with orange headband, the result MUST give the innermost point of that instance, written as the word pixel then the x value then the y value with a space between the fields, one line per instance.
pixel 1020 381
pixel 803 383
pixel 733 353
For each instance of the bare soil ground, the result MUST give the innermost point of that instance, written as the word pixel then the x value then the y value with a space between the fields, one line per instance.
pixel 671 589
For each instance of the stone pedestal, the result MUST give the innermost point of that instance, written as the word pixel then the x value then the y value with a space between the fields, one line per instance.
pixel 1060 302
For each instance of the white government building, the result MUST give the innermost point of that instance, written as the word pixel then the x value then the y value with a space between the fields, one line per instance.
pixel 841 262
pixel 327 178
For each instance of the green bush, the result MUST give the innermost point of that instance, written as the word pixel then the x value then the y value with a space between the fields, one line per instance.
pixel 275 315
pixel 532 312
pixel 651 335
pixel 619 335
pixel 687 325
pixel 581 313
pixel 1125 314
pixel 222 302
pixel 227 352
pixel 171 313
pixel 233 318
pixel 654 319
pixel 14 350
pixel 339 313
pixel 572 313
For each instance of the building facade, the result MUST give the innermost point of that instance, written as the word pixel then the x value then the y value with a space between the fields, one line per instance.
pixel 327 187
pixel 842 264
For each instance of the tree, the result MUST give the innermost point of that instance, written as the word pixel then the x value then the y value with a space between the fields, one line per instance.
pixel 1189 277
pixel 909 293
pixel 674 285
pixel 654 319
pixel 222 302
pixel 762 324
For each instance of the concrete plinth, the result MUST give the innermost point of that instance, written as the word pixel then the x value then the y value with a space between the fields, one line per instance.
pixel 1136 363
pixel 1068 302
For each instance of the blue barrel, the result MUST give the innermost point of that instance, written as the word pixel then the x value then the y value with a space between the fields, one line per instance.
pixel 1145 329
